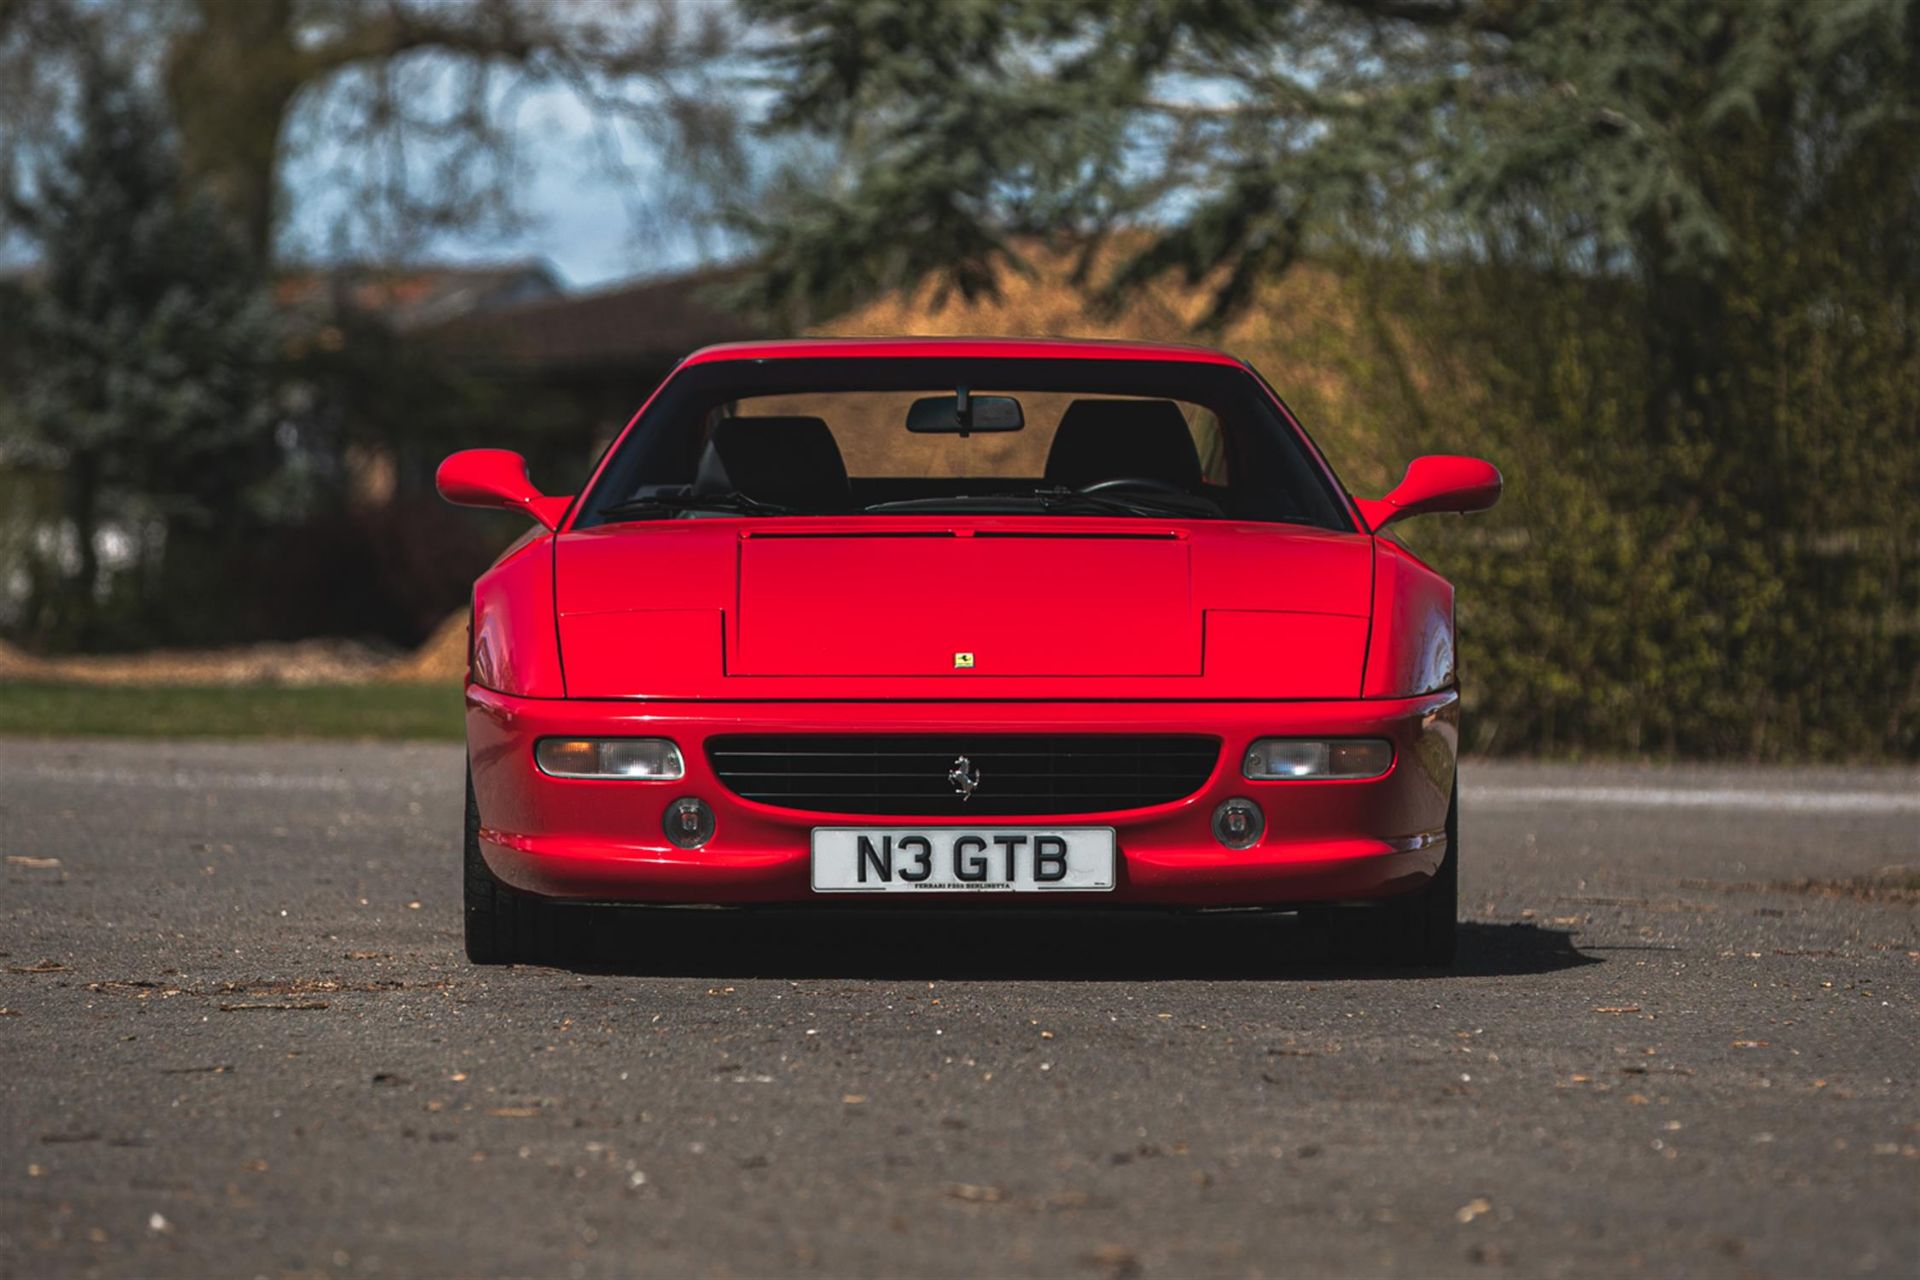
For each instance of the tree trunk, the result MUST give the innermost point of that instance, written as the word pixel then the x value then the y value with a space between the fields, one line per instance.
pixel 230 82
pixel 83 511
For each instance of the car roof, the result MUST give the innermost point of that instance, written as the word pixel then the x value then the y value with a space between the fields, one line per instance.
pixel 970 348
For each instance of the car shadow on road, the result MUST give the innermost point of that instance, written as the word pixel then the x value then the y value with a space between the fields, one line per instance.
pixel 1025 945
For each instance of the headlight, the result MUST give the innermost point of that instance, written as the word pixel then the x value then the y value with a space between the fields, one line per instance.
pixel 1316 759
pixel 637 759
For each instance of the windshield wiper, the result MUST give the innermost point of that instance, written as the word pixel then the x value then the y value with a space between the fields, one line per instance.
pixel 987 503
pixel 1056 500
pixel 1142 503
pixel 732 503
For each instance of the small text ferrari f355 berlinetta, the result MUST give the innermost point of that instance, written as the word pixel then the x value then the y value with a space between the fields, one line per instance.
pixel 943 620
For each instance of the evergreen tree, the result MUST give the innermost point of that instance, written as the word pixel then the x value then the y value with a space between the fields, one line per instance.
pixel 142 364
pixel 1622 138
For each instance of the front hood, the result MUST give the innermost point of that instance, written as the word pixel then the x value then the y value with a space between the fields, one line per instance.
pixel 999 603
pixel 925 607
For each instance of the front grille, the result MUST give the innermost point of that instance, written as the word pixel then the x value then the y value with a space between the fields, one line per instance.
pixel 908 773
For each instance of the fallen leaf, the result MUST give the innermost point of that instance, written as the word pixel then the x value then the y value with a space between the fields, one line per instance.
pixel 1472 1209
pixel 978 1195
pixel 31 863
pixel 45 966
pixel 853 1099
pixel 1616 1008
pixel 513 1113
pixel 1116 1260
pixel 1749 1044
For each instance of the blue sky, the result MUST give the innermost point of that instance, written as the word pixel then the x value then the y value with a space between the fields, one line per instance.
pixel 578 222
pixel 576 214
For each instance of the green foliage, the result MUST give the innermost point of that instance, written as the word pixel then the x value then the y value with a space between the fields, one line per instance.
pixel 140 365
pixel 1661 261
pixel 1245 133
pixel 1596 618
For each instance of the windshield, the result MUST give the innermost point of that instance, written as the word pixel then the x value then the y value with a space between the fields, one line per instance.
pixel 853 436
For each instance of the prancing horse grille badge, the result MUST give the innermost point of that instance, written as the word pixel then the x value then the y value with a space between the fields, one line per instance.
pixel 963 662
pixel 965 777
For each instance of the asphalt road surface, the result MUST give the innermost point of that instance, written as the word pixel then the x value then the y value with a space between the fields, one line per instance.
pixel 239 1039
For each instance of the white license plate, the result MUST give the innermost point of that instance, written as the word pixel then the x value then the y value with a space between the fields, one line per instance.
pixel 966 859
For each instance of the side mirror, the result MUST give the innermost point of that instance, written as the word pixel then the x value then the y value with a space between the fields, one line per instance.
pixel 496 478
pixel 1441 482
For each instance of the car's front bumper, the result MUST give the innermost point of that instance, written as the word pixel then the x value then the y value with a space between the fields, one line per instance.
pixel 602 840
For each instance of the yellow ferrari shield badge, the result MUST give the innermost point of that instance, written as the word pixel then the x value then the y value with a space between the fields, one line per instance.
pixel 963 662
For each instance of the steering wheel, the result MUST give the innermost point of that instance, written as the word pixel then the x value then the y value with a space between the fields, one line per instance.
pixel 1133 482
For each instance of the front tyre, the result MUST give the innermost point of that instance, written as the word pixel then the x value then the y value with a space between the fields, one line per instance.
pixel 1425 926
pixel 1415 931
pixel 502 925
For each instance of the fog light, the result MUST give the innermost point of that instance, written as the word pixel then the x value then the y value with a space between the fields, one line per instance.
pixel 639 759
pixel 689 823
pixel 1238 823
pixel 1309 759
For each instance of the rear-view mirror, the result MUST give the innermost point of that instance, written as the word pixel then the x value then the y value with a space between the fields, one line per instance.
pixel 963 414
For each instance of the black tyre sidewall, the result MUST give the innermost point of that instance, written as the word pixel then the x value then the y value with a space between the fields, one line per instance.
pixel 501 925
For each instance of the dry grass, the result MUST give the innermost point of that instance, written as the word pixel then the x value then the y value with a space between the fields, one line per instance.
pixel 294 665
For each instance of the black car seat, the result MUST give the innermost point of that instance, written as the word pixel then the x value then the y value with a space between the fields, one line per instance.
pixel 788 461
pixel 1113 439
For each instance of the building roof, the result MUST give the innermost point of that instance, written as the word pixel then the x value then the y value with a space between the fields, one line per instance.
pixel 646 322
pixel 412 297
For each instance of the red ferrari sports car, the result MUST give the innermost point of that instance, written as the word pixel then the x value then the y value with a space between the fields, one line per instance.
pixel 1084 623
